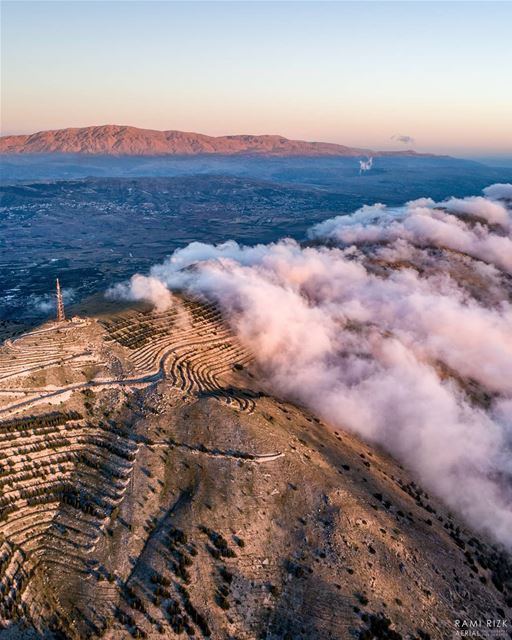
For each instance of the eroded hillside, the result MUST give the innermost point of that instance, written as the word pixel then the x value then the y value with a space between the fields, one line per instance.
pixel 151 487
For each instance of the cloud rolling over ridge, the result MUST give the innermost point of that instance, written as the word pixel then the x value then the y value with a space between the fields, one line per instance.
pixel 393 323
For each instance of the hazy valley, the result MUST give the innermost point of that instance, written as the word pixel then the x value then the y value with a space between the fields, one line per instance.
pixel 204 449
pixel 93 231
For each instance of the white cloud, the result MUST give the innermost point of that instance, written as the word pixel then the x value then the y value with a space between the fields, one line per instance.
pixel 143 288
pixel 480 208
pixel 403 139
pixel 499 191
pixel 429 225
pixel 410 358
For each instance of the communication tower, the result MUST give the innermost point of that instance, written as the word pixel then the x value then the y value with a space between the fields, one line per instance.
pixel 60 304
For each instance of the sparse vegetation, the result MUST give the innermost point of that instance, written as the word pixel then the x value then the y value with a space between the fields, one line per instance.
pixel 71 498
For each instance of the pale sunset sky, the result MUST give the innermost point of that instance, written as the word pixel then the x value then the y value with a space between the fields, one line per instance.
pixel 356 73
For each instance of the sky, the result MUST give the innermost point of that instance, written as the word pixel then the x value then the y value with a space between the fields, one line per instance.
pixel 355 73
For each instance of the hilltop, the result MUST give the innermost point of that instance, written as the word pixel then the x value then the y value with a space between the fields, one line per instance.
pixel 151 486
pixel 118 140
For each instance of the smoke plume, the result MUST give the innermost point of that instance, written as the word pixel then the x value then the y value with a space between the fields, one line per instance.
pixel 395 323
pixel 365 165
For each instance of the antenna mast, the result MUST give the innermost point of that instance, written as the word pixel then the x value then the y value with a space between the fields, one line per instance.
pixel 60 304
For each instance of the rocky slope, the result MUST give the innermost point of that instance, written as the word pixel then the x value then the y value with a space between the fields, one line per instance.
pixel 123 140
pixel 149 487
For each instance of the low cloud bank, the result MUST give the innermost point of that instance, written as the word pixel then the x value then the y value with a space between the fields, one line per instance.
pixel 393 323
pixel 463 225
pixel 499 191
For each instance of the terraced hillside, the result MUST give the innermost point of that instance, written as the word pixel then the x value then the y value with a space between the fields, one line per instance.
pixel 149 487
pixel 190 347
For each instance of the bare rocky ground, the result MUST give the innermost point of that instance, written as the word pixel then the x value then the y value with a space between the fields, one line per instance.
pixel 150 488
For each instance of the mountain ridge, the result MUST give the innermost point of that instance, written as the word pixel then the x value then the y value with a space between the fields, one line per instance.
pixel 120 140
pixel 156 489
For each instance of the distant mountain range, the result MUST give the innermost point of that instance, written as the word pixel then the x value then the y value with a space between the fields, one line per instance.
pixel 117 140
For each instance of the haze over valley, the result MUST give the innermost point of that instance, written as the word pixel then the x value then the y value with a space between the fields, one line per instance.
pixel 227 419
pixel 104 217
